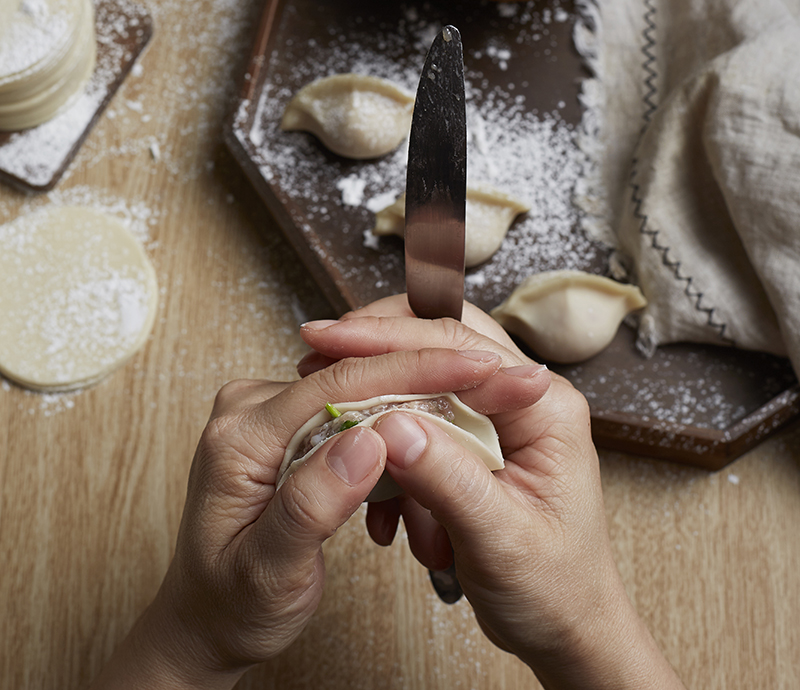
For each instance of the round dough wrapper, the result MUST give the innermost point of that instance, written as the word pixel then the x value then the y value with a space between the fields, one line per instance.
pixel 37 36
pixel 46 59
pixel 78 297
pixel 7 10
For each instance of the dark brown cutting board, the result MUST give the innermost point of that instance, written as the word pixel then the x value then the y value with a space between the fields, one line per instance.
pixel 691 404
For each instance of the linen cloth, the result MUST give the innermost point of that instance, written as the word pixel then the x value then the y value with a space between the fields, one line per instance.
pixel 696 108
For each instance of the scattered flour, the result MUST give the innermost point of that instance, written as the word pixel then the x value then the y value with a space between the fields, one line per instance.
pixel 352 189
pixel 529 154
pixel 380 202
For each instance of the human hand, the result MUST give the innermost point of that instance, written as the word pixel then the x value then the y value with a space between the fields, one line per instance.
pixel 248 570
pixel 530 541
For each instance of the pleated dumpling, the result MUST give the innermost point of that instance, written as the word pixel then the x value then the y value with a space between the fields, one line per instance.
pixel 353 115
pixel 471 429
pixel 568 316
pixel 489 215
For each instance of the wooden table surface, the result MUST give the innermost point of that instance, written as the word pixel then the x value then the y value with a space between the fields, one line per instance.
pixel 92 483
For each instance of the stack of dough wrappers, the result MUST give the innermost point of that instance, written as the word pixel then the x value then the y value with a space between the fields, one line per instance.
pixel 47 55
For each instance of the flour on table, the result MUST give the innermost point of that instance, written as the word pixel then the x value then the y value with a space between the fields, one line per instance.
pixel 78 297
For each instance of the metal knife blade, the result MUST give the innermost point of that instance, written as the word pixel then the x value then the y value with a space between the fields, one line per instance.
pixel 436 183
pixel 436 193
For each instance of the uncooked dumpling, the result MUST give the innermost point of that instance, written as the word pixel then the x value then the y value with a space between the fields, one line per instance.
pixel 354 115
pixel 471 429
pixel 568 316
pixel 489 215
pixel 78 297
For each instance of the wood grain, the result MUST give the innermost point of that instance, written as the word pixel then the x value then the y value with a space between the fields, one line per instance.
pixel 92 484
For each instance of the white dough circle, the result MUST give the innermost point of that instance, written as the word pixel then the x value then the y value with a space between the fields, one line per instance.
pixel 47 56
pixel 78 297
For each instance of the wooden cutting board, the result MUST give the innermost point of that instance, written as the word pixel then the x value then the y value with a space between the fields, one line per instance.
pixel 691 404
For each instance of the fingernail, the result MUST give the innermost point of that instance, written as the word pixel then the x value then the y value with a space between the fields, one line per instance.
pixel 482 356
pixel 353 456
pixel 318 325
pixel 405 439
pixel 525 371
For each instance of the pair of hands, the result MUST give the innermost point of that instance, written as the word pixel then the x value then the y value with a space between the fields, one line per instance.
pixel 530 541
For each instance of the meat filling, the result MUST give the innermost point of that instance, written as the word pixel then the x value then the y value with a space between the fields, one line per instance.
pixel 440 407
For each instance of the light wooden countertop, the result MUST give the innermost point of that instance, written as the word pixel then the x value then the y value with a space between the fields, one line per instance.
pixel 92 483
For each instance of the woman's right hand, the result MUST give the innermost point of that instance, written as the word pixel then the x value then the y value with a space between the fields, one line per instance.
pixel 530 541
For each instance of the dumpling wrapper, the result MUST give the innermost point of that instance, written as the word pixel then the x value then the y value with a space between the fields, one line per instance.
pixel 42 72
pixel 7 9
pixel 354 115
pixel 568 316
pixel 78 297
pixel 472 430
pixel 489 215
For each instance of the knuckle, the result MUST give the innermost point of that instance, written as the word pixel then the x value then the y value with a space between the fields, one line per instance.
pixel 239 393
pixel 457 482
pixel 576 401
pixel 453 332
pixel 231 391
pixel 219 431
pixel 341 377
pixel 302 513
pixel 457 477
pixel 460 337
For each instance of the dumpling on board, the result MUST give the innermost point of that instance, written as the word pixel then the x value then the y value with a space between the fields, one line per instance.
pixel 568 316
pixel 474 431
pixel 489 215
pixel 354 115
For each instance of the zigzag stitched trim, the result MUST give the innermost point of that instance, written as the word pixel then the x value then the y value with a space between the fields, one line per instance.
pixel 650 101
pixel 649 65
pixel 675 266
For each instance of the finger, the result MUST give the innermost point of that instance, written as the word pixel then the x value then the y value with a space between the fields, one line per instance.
pixel 322 495
pixel 511 389
pixel 452 483
pixel 382 520
pixel 427 539
pixel 395 305
pixel 313 362
pixel 472 316
pixel 521 384
pixel 240 453
pixel 367 335
pixel 271 426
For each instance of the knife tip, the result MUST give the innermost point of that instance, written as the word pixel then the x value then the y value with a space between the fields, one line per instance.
pixel 449 33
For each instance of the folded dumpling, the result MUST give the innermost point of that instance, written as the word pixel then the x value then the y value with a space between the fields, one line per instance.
pixel 489 215
pixel 568 316
pixel 471 429
pixel 353 115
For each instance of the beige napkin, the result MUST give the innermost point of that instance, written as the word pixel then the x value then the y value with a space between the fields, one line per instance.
pixel 697 110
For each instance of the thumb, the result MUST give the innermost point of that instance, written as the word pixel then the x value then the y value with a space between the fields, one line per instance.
pixel 322 495
pixel 441 475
